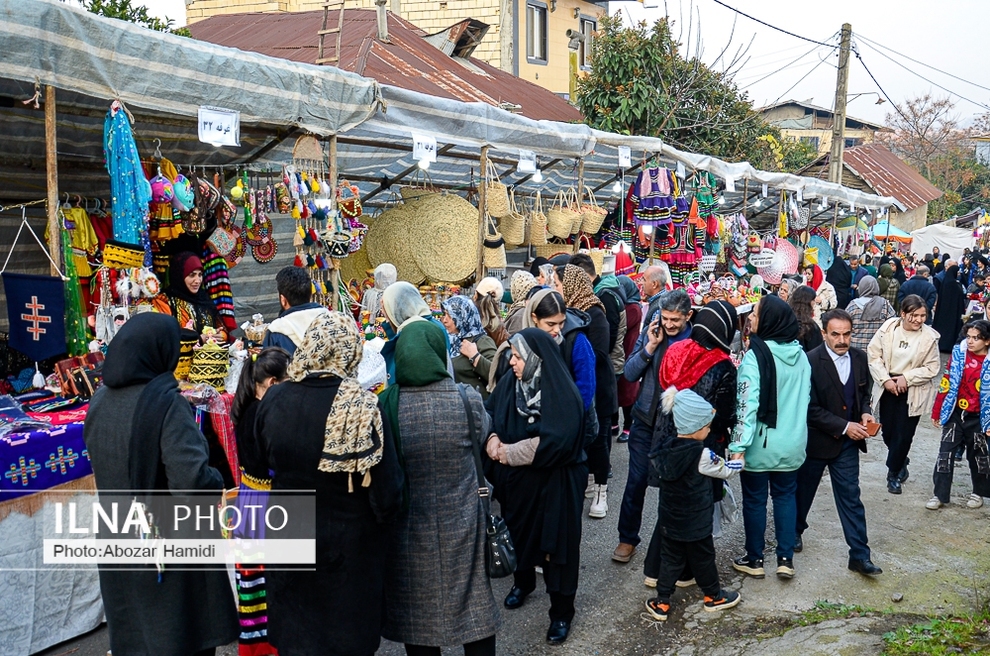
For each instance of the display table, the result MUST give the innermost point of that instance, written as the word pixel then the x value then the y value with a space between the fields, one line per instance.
pixel 42 607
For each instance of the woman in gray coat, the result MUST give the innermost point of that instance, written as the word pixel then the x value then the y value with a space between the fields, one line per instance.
pixel 142 435
pixel 438 591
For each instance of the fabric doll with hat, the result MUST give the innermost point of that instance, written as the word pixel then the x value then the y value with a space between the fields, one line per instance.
pixel 686 505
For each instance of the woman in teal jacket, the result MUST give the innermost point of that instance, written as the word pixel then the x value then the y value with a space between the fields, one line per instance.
pixel 771 433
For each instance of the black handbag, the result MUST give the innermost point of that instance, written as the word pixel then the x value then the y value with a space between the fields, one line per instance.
pixel 500 554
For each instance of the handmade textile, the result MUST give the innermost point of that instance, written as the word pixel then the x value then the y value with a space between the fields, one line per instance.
pixel 352 440
pixel 76 338
pixel 35 314
pixel 129 189
pixel 210 365
pixel 216 280
pixel 466 319
pixel 40 459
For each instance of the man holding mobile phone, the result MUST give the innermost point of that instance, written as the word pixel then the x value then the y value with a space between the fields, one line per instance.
pixel 840 420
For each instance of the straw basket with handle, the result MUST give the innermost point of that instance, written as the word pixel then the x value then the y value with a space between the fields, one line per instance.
pixel 592 214
pixel 496 195
pixel 536 232
pixel 552 248
pixel 574 205
pixel 597 254
pixel 560 217
pixel 513 224
pixel 494 251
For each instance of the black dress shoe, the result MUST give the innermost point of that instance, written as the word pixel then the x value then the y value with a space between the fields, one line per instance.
pixel 902 476
pixel 865 567
pixel 798 544
pixel 557 633
pixel 893 486
pixel 515 598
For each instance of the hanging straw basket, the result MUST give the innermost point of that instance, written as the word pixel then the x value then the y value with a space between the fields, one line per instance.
pixel 574 205
pixel 592 214
pixel 552 249
pixel 444 237
pixel 536 224
pixel 494 251
pixel 496 195
pixel 560 218
pixel 513 224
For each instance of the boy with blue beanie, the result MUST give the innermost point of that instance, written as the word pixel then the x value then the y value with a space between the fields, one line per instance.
pixel 686 504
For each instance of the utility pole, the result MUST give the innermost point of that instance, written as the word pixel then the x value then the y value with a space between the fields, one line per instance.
pixel 839 120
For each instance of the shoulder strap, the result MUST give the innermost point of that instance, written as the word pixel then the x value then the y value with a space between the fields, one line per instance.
pixel 483 490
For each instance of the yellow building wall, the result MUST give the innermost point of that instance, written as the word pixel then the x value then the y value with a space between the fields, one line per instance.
pixel 825 137
pixel 555 74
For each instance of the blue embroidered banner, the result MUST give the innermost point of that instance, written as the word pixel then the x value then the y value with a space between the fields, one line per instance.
pixel 30 462
pixel 36 312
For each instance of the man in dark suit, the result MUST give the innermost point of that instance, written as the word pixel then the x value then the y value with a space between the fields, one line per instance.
pixel 841 387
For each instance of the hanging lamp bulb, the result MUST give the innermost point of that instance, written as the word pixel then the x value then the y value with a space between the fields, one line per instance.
pixel 424 164
pixel 617 187
pixel 538 176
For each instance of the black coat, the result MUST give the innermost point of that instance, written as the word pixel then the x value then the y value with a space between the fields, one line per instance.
pixel 812 337
pixel 827 410
pixel 337 609
pixel 686 502
pixel 922 287
pixel 606 392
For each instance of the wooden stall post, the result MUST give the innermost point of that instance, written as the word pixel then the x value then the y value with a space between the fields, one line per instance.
pixel 482 202
pixel 580 200
pixel 335 268
pixel 51 167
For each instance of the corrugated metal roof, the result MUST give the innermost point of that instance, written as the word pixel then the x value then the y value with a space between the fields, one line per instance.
pixel 885 173
pixel 889 175
pixel 823 110
pixel 408 62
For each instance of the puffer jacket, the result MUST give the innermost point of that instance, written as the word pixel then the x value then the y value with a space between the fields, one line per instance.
pixel 782 448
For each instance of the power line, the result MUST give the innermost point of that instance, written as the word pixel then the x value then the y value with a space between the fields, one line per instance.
pixel 874 43
pixel 773 27
pixel 782 68
pixel 949 91
pixel 868 72
pixel 820 62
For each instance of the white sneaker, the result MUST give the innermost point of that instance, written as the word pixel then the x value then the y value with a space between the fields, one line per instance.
pixel 685 584
pixel 599 505
pixel 933 504
pixel 974 501
pixel 650 582
pixel 589 491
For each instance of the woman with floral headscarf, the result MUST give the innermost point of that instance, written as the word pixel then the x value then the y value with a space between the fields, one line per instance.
pixel 521 283
pixel 320 431
pixel 471 349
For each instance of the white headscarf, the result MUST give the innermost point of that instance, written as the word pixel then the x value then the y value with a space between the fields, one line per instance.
pixel 385 276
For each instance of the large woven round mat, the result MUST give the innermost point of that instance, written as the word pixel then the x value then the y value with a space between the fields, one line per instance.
pixel 445 233
pixel 392 237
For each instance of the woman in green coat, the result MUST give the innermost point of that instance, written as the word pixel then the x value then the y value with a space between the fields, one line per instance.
pixel 471 349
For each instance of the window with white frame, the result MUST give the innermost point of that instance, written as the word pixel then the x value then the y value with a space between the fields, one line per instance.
pixel 536 32
pixel 588 28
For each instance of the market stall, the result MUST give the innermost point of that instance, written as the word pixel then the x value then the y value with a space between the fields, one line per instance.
pixel 330 172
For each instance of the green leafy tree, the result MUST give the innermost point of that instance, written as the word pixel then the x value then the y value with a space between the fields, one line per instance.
pixel 125 10
pixel 641 84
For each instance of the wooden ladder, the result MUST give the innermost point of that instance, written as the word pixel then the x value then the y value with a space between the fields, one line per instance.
pixel 324 56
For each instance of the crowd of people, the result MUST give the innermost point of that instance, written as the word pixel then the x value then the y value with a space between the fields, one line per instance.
pixel 540 392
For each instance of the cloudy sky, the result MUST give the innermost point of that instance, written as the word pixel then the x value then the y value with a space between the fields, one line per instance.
pixel 949 36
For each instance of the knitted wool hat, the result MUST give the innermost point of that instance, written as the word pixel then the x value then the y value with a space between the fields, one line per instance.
pixel 691 411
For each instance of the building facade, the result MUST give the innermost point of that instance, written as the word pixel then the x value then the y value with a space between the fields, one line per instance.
pixel 810 124
pixel 528 38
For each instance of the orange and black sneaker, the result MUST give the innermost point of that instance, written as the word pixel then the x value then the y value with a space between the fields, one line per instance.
pixel 658 608
pixel 724 599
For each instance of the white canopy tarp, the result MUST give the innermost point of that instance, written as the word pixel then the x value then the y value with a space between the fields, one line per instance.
pixel 949 240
